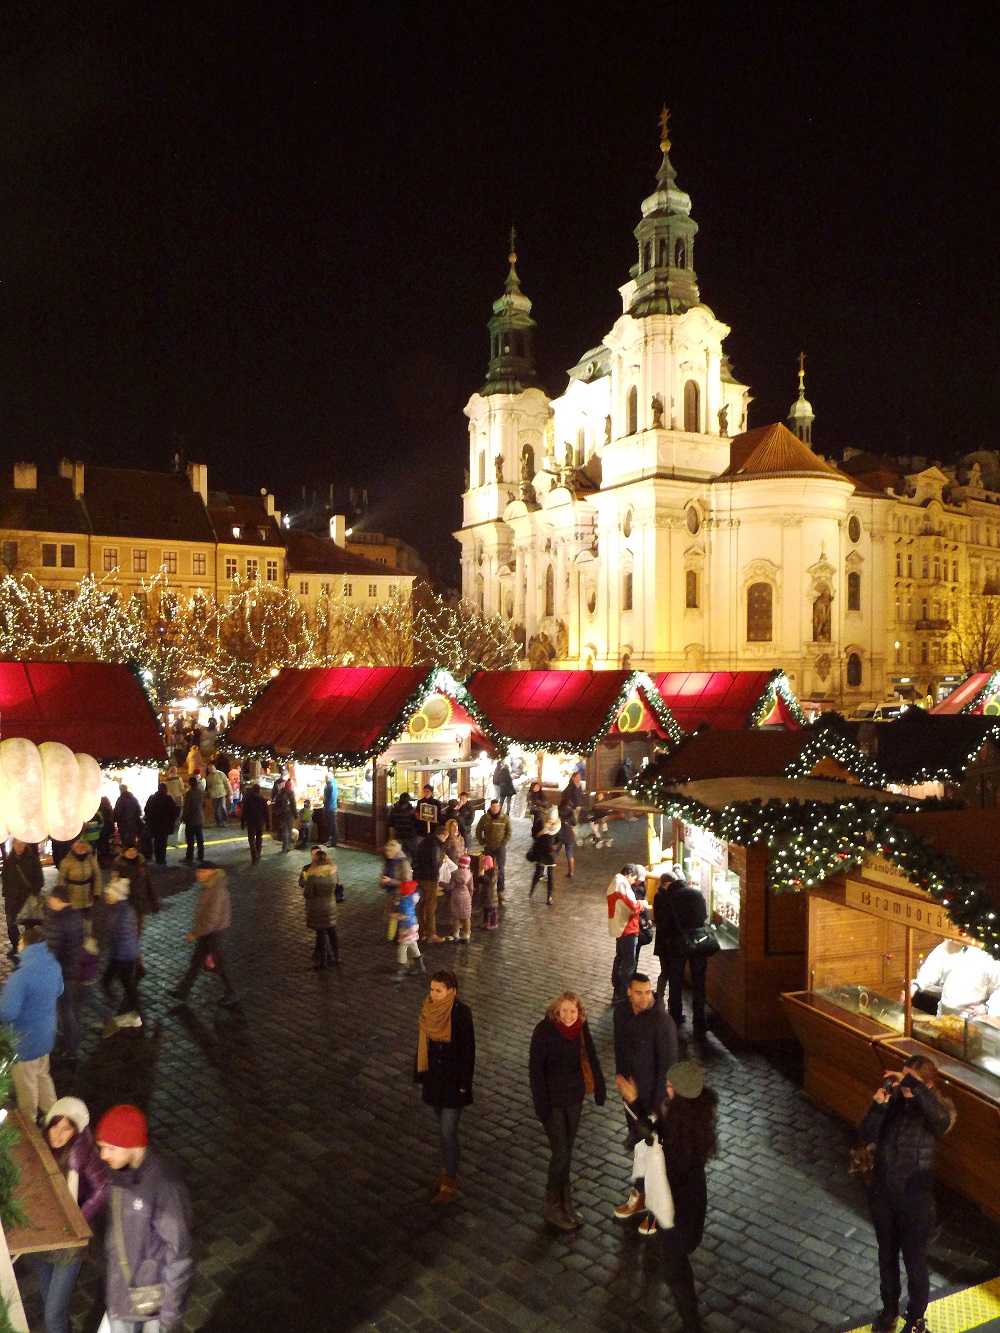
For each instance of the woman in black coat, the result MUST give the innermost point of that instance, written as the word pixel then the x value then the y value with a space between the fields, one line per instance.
pixel 544 852
pixel 559 1082
pixel 446 1062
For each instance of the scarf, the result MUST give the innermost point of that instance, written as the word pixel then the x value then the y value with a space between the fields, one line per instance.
pixel 435 1025
pixel 571 1032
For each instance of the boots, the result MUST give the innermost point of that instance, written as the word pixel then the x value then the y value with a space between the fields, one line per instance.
pixel 555 1214
pixel 568 1209
pixel 445 1191
pixel 885 1322
pixel 915 1326
pixel 401 973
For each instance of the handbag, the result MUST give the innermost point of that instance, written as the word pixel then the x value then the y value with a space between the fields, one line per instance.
pixel 645 935
pixel 588 1073
pixel 700 941
pixel 144 1302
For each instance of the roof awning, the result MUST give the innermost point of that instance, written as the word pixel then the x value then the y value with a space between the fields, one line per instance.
pixel 979 693
pixel 95 708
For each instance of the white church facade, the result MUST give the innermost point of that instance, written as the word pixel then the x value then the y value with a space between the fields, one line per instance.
pixel 636 520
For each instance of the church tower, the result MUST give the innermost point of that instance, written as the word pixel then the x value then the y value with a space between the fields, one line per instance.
pixel 800 414
pixel 665 281
pixel 512 366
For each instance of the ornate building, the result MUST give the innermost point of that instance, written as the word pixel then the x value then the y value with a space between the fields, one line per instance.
pixel 635 520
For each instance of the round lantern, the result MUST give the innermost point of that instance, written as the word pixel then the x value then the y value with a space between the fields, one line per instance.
pixel 22 801
pixel 60 790
pixel 90 775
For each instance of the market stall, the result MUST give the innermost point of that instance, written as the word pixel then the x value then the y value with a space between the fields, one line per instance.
pixel 978 693
pixel 730 700
pixel 925 878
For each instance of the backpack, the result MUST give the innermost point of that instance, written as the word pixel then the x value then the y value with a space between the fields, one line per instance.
pixel 645 927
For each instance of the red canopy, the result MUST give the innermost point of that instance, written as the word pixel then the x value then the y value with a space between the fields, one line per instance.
pixel 974 695
pixel 565 710
pixel 724 699
pixel 97 708
pixel 321 712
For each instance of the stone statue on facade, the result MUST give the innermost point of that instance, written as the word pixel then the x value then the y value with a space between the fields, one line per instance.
pixel 822 618
pixel 724 419
pixel 498 461
pixel 656 407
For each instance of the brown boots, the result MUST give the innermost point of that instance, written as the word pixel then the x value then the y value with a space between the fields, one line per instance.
pixel 559 1211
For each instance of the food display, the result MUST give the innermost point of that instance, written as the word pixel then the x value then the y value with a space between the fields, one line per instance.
pixel 948 1033
pixel 863 1000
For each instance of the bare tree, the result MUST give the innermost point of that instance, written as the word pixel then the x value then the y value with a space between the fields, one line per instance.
pixel 457 635
pixel 977 630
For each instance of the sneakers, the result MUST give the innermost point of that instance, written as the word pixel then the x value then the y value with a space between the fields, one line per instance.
pixel 635 1203
pixel 130 1020
pixel 885 1322
pixel 647 1227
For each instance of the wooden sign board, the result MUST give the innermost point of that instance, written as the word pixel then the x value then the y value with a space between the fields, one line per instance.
pixel 54 1222
pixel 902 909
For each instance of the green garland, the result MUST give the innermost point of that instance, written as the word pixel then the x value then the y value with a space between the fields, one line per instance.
pixel 991 687
pixel 956 774
pixel 824 742
pixel 11 1213
pixel 777 687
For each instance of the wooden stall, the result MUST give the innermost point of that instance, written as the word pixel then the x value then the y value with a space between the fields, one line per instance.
pixel 868 932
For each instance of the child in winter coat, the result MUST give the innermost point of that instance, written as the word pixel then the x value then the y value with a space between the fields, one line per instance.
pixel 407 929
pixel 461 900
pixel 318 882
pixel 121 938
pixel 488 884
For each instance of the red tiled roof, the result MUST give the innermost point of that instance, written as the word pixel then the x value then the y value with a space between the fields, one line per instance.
pixel 560 709
pixel 721 698
pixel 775 451
pixel 96 708
pixel 327 710
pixel 967 696
pixel 308 553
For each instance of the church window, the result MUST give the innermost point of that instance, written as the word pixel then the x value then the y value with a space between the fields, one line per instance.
pixel 482 467
pixel 954 571
pixel 909 566
pixel 627 524
pixel 627 591
pixel 854 670
pixel 923 652
pixel 691 588
pixel 632 411
pixel 925 567
pixel 550 591
pixel 663 254
pixel 480 592
pixel 527 463
pixel 854 591
pixel 899 563
pixel 854 528
pixel 899 654
pixel 692 406
pixel 680 254
pixel 759 612
pixel 647 257
pixel 923 608
pixel 937 567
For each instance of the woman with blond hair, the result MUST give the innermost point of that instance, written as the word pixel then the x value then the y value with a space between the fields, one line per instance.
pixel 563 1067
pixel 454 844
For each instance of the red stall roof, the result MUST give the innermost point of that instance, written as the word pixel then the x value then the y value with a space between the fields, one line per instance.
pixel 727 699
pixel 566 710
pixel 97 708
pixel 971 695
pixel 348 713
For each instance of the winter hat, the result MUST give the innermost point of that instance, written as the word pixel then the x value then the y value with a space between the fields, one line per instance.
pixel 407 886
pixel 552 820
pixel 70 1107
pixel 116 890
pixel 687 1079
pixel 392 849
pixel 123 1126
pixel 465 860
pixel 486 863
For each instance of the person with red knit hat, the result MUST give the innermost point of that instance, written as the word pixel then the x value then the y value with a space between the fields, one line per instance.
pixel 148 1250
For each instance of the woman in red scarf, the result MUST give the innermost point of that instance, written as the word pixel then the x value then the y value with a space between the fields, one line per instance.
pixel 563 1068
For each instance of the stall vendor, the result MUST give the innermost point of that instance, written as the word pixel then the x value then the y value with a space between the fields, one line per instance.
pixel 965 977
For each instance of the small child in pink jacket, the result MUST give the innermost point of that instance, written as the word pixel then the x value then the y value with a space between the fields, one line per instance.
pixel 461 900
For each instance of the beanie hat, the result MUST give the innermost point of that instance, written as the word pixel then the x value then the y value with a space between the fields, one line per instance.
pixel 392 849
pixel 70 1107
pixel 123 1126
pixel 686 1078
pixel 552 820
pixel 116 890
pixel 407 886
pixel 465 860
pixel 485 863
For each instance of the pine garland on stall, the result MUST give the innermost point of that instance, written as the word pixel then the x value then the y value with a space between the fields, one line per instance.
pixel 11 1213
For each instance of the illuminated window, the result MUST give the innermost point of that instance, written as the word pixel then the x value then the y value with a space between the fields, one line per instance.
pixel 170 561
pixel 139 562
pixel 232 564
pixel 251 567
pixel 373 590
pixel 626 590
pixel 692 406
pixel 854 670
pixel 272 571
pixel 49 554
pixel 759 612
pixel 854 591
pixel 67 556
pixel 303 587
pixel 236 533
pixel 691 588
pixel 110 558
pixel 198 563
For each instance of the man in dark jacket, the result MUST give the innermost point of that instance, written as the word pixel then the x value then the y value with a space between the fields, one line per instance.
pixel 128 817
pixel 503 784
pixel 63 929
pixel 678 909
pixel 645 1048
pixel 403 823
pixel 161 815
pixel 22 876
pixel 465 815
pixel 284 813
pixel 426 867
pixel 905 1120
pixel 193 817
pixel 150 1221
pixel 212 915
pixel 428 811
pixel 254 819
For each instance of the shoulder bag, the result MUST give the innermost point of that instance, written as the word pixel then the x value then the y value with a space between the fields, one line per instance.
pixel 645 935
pixel 144 1302
pixel 699 941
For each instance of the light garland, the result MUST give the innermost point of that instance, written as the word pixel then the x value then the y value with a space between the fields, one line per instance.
pixel 777 687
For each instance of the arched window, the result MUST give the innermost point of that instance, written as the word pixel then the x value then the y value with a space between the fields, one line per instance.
pixel 680 254
pixel 692 406
pixel 627 590
pixel 550 591
pixel 663 254
pixel 482 467
pixel 854 670
pixel 854 591
pixel 759 612
pixel 691 588
pixel 527 463
pixel 647 257
pixel 632 411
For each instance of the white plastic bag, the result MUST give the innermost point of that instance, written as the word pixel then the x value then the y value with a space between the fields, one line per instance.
pixel 649 1165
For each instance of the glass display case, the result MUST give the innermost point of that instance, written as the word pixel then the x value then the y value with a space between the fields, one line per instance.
pixel 708 866
pixel 975 1041
pixel 867 1002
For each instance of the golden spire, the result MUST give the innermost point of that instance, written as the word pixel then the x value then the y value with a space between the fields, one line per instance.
pixel 664 129
pixel 802 374
pixel 513 236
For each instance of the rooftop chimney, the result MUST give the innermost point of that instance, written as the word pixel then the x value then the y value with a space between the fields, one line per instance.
pixel 198 477
pixel 25 477
pixel 338 529
pixel 73 472
pixel 268 502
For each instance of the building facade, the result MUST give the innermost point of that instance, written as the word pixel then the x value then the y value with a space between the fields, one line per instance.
pixel 636 519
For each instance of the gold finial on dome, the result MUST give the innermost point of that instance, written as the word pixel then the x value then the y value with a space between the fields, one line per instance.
pixel 664 129
pixel 512 257
pixel 802 374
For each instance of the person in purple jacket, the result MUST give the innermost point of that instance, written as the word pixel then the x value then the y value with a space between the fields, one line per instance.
pixel 71 1142
pixel 121 937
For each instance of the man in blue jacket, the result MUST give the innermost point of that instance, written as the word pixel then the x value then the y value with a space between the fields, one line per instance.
pixel 28 1003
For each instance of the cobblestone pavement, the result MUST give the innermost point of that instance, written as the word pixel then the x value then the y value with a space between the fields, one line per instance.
pixel 310 1155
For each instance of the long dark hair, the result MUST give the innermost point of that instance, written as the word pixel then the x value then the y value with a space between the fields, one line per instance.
pixel 689 1128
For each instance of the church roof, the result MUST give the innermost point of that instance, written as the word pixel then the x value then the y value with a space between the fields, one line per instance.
pixel 771 451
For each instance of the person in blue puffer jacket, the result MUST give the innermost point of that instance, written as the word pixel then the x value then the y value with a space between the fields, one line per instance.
pixel 28 1003
pixel 407 929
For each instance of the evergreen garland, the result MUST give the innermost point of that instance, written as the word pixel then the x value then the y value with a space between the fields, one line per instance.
pixel 777 687
pixel 11 1213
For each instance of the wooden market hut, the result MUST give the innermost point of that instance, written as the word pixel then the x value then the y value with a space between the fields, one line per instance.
pixel 732 700
pixel 978 693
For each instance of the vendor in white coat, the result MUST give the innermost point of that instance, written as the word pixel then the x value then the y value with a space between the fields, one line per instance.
pixel 964 975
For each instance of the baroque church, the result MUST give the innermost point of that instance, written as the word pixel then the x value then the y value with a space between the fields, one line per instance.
pixel 636 521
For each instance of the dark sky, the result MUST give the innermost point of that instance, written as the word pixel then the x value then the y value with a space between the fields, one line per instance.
pixel 270 234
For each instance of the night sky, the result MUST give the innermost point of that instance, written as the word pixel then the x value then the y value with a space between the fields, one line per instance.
pixel 269 235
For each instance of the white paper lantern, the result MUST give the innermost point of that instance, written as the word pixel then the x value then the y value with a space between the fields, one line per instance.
pixel 22 805
pixel 60 790
pixel 91 779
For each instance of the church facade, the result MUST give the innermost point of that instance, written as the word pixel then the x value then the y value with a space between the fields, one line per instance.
pixel 636 520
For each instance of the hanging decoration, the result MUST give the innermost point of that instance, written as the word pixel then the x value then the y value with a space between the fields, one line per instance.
pixel 823 741
pixel 46 791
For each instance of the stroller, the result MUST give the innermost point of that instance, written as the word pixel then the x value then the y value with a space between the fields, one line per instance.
pixel 592 831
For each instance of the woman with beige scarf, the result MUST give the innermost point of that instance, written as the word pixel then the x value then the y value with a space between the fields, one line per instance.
pixel 446 1061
